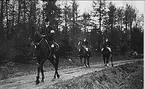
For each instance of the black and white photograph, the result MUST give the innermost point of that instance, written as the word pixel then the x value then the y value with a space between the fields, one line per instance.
pixel 72 44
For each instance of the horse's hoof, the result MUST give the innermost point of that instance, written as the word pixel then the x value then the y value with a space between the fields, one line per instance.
pixel 42 80
pixel 37 82
pixel 58 76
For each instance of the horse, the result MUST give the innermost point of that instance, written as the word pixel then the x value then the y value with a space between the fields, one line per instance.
pixel 42 50
pixel 107 55
pixel 85 53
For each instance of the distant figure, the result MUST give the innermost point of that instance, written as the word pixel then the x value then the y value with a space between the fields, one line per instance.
pixel 106 44
pixel 84 52
pixel 106 52
pixel 84 44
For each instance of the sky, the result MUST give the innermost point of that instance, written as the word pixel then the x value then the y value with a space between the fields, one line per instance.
pixel 86 5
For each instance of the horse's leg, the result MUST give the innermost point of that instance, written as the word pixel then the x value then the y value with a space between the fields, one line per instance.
pixel 111 59
pixel 107 60
pixel 88 61
pixel 42 71
pixel 85 59
pixel 38 72
pixel 80 59
pixel 57 62
pixel 80 56
pixel 54 62
pixel 104 60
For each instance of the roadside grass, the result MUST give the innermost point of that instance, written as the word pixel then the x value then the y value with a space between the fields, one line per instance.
pixel 19 69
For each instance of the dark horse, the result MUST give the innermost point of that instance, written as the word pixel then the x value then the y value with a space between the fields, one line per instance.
pixel 85 53
pixel 107 55
pixel 43 51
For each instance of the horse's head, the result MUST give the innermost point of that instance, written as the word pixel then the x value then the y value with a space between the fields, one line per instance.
pixel 34 39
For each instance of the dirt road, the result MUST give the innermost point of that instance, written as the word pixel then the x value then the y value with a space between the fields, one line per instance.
pixel 28 82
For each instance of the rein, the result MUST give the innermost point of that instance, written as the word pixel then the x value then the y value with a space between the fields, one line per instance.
pixel 49 48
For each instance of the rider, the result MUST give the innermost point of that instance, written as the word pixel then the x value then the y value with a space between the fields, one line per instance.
pixel 50 38
pixel 84 44
pixel 106 44
pixel 48 34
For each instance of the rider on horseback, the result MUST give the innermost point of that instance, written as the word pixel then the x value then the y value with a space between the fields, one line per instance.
pixel 84 44
pixel 106 44
pixel 47 33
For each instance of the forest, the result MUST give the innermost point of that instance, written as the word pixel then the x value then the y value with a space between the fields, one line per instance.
pixel 123 26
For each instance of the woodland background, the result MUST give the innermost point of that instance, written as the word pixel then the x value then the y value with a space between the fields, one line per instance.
pixel 123 26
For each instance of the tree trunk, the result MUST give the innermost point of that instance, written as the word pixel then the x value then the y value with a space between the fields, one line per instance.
pixel 24 19
pixel 13 17
pixel 73 30
pixel 1 23
pixel 19 11
pixel 121 25
pixel 1 18
pixel 130 34
pixel 31 15
pixel 100 14
pixel 7 14
pixel 34 13
pixel 7 32
pixel 65 17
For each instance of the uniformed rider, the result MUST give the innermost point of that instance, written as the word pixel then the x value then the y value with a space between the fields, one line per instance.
pixel 106 44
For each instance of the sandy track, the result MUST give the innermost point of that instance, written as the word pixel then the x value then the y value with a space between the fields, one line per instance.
pixel 28 82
